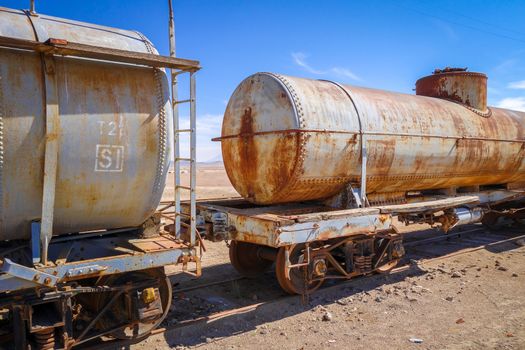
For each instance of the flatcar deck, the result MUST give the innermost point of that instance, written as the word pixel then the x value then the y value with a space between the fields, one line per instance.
pixel 281 225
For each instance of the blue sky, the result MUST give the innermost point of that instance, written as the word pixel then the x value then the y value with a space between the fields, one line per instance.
pixel 380 44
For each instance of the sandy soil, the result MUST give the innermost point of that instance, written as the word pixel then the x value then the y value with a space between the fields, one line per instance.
pixel 469 301
pixel 212 182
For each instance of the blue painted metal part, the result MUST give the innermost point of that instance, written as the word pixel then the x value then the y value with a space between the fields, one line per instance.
pixel 35 241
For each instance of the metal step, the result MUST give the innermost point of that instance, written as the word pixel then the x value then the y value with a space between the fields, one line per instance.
pixel 183 101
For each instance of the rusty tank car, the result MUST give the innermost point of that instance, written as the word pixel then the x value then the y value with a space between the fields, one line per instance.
pixel 324 168
pixel 112 156
pixel 86 131
pixel 287 139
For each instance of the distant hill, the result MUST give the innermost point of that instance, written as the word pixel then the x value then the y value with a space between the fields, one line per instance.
pixel 218 163
pixel 210 162
pixel 216 159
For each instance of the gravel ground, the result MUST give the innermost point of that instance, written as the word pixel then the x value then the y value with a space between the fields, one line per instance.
pixel 470 301
pixel 474 300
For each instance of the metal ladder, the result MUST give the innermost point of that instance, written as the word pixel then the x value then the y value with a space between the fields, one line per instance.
pixel 175 102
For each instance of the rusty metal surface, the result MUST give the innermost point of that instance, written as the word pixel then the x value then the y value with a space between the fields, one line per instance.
pixel 287 139
pixel 156 244
pixel 282 225
pixel 429 206
pixel 113 139
pixel 318 226
pixel 458 85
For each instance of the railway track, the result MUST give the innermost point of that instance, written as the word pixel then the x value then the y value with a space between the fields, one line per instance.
pixel 413 258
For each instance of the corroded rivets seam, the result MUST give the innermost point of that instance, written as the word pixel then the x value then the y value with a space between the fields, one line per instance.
pixel 162 128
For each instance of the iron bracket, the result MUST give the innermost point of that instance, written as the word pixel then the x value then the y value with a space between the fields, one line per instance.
pixel 28 274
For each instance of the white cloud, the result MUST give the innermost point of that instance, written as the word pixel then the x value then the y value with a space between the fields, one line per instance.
pixel 514 103
pixel 299 59
pixel 345 73
pixel 517 85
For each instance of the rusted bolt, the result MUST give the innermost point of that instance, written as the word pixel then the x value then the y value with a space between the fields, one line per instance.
pixel 36 277
pixel 47 281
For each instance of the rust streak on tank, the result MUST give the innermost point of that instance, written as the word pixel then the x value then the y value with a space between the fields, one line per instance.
pixel 247 150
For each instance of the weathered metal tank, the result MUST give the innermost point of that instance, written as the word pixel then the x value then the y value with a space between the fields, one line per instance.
pixel 287 139
pixel 114 122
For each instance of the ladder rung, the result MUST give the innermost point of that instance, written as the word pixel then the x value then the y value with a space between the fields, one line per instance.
pixel 184 188
pixel 182 214
pixel 183 101
pixel 184 130
pixel 183 159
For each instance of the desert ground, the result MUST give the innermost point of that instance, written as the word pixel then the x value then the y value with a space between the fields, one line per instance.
pixel 212 182
pixel 474 300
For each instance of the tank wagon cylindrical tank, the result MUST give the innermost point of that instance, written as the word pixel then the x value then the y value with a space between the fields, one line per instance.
pixel 287 139
pixel 114 122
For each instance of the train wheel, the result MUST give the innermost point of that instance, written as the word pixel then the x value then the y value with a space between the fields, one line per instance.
pixel 158 288
pixel 245 258
pixel 389 260
pixel 296 283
